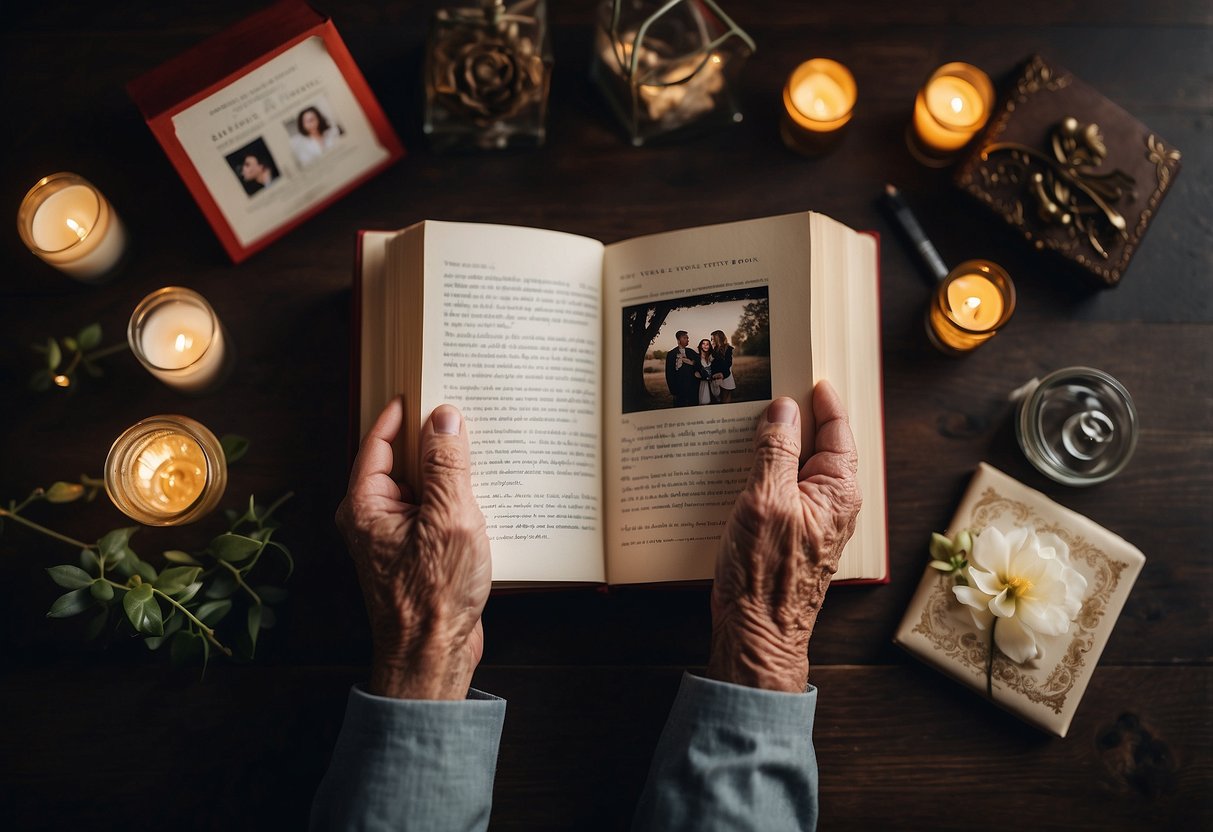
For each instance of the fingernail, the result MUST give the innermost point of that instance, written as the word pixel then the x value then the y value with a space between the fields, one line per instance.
pixel 446 420
pixel 783 412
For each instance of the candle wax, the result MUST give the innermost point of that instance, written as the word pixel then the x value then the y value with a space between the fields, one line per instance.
pixel 176 334
pixel 954 102
pixel 820 98
pixel 65 218
pixel 170 473
pixel 975 302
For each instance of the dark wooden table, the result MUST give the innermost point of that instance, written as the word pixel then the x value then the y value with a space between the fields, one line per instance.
pixel 98 739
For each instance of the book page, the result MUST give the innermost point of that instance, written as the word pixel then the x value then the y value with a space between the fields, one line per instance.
pixel 679 448
pixel 512 321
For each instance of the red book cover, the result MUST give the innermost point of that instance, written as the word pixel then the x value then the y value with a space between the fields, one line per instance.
pixel 267 123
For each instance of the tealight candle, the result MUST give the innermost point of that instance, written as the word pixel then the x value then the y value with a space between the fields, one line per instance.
pixel 175 334
pixel 165 471
pixel 70 225
pixel 818 99
pixel 970 305
pixel 950 108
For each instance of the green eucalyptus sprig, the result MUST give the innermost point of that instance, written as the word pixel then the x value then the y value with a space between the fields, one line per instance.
pixel 180 604
pixel 63 356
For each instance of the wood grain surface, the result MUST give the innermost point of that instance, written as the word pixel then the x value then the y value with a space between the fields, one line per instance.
pixel 103 739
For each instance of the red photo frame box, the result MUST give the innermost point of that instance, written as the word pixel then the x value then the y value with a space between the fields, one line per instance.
pixel 221 61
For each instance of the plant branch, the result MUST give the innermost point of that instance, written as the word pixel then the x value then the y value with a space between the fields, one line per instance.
pixel 274 506
pixel 104 351
pixel 207 631
pixel 79 544
pixel 240 581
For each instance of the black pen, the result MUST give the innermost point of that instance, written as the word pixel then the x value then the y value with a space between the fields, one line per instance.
pixel 903 215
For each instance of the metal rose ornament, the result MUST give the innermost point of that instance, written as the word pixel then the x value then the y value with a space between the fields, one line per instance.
pixel 488 69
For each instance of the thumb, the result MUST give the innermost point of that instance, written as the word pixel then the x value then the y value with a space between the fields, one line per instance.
pixel 777 445
pixel 446 474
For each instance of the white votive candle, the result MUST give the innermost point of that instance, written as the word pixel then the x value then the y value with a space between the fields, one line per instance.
pixel 70 225
pixel 176 335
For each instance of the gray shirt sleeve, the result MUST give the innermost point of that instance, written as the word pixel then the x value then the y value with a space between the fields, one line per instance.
pixel 407 764
pixel 733 757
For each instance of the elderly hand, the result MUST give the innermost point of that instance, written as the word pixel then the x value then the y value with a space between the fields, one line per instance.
pixel 781 547
pixel 423 565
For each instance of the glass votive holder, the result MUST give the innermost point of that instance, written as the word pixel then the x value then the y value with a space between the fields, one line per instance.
pixel 668 68
pixel 176 335
pixel 818 100
pixel 1077 426
pixel 166 471
pixel 953 104
pixel 70 225
pixel 969 306
pixel 488 68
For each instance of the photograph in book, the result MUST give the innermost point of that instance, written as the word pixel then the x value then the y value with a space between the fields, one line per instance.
pixel 697 350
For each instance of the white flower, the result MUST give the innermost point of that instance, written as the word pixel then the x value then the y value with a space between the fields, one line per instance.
pixel 1025 581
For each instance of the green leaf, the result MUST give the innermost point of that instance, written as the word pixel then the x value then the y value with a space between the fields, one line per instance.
pixel 286 553
pixel 212 612
pixel 254 623
pixel 234 548
pixel 144 570
pixel 176 579
pixel 64 492
pixel 89 562
pixel 70 344
pixel 40 381
pixel 96 624
pixel 101 591
pixel 222 585
pixel 91 368
pixel 70 577
pixel 115 545
pixel 71 603
pixel 271 594
pixel 234 447
pixel 154 642
pixel 143 610
pixel 268 618
pixel 173 623
pixel 89 337
pixel 177 556
pixel 189 592
pixel 941 547
pixel 53 354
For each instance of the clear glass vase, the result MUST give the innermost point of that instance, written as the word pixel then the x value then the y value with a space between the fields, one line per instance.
pixel 488 69
pixel 668 68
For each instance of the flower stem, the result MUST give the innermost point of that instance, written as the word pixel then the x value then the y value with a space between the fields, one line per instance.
pixel 79 544
pixel 104 351
pixel 990 662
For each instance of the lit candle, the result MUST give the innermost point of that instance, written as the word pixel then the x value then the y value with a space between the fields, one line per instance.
pixel 817 100
pixel 165 471
pixel 970 305
pixel 69 224
pixel 175 334
pixel 951 107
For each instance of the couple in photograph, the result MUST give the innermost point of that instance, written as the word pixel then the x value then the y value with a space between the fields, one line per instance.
pixel 703 375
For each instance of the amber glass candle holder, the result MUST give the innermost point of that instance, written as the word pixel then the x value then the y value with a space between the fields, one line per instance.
pixel 969 307
pixel 166 471
pixel 953 104
pixel 818 100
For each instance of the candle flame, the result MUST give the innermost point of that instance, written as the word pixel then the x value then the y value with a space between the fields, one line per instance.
pixel 62 380
pixel 183 343
pixel 957 104
pixel 715 59
pixel 973 303
pixel 819 106
pixel 77 228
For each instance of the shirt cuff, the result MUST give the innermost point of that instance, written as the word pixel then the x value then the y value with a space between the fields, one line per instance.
pixel 710 702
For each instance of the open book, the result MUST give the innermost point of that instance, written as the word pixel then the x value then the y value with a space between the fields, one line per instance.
pixel 593 458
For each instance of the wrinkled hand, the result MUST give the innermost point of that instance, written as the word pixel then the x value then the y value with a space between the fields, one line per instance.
pixel 781 546
pixel 424 566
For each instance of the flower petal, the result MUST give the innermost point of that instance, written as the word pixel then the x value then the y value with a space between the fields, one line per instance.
pixel 990 550
pixel 971 597
pixel 987 582
pixel 1015 640
pixel 1003 605
pixel 1061 551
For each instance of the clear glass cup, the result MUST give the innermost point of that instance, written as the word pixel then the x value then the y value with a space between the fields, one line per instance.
pixel 179 339
pixel 1077 426
pixel 166 471
pixel 69 224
